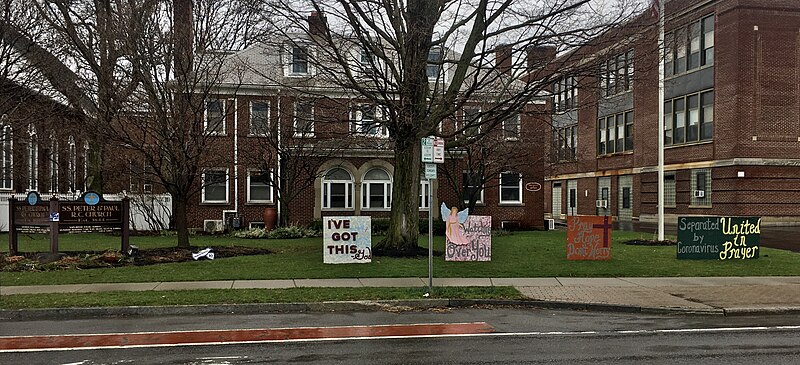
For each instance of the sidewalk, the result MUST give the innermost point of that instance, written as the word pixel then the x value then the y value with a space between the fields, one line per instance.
pixel 726 295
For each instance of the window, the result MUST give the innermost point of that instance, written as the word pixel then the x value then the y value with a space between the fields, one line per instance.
pixel 299 60
pixel 33 159
pixel 565 143
pixel 472 187
pixel 215 186
pixel 471 122
pixel 6 157
pixel 72 164
pixel 565 94
pixel 689 47
pixel 669 190
pixel 259 186
pixel 376 190
pixel 215 117
pixel 689 118
pixel 366 63
pixel 616 74
pixel 615 133
pixel 367 120
pixel 701 187
pixel 424 192
pixel 304 118
pixel 259 118
pixel 511 127
pixel 510 187
pixel 337 189
pixel 434 67
pixel 133 172
pixel 85 165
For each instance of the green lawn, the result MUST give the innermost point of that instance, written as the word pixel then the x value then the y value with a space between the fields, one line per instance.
pixel 227 296
pixel 523 254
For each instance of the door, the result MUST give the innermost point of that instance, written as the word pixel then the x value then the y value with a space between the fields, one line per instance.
pixel 625 195
pixel 557 200
pixel 603 203
pixel 572 197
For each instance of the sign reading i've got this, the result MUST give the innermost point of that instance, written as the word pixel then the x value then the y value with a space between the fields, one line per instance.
pixel 346 240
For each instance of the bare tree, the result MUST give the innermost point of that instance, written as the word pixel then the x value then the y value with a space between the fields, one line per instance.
pixel 426 59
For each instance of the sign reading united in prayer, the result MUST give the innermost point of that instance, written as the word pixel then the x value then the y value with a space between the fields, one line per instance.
pixel 589 238
pixel 719 238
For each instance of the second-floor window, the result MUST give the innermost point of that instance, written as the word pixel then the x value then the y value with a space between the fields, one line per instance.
pixel 511 127
pixel 689 118
pixel 215 116
pixel 434 67
pixel 565 94
pixel 470 122
pixel 304 118
pixel 367 120
pixel 689 47
pixel 259 118
pixel 565 143
pixel 615 133
pixel 299 56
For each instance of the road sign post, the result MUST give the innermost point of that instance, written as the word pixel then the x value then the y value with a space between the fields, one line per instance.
pixel 432 153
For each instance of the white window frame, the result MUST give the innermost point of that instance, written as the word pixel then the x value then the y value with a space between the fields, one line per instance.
pixel 518 130
pixel 501 187
pixel 441 72
pixel 7 158
pixel 267 126
pixel 53 163
pixel 357 121
pixel 297 131
pixel 483 190
pixel 269 186
pixel 288 58
pixel 465 123
pixel 366 187
pixel 325 195
pixel 33 159
pixel 227 187
pixel 206 116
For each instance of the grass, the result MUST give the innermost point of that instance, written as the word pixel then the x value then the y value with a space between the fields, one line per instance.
pixel 523 254
pixel 239 296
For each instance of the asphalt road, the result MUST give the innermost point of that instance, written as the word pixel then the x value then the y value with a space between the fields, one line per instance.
pixel 523 336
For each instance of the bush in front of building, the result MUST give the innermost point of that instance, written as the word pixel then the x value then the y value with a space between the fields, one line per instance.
pixel 289 232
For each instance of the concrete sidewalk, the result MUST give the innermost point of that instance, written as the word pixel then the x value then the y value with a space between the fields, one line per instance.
pixel 690 294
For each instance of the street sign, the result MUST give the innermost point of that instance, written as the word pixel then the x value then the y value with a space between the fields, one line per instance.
pixel 427 149
pixel 430 171
pixel 438 150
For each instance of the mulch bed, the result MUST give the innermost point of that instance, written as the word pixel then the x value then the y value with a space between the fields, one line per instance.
pixel 78 260
pixel 650 243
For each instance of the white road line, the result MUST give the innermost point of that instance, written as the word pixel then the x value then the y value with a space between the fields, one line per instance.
pixel 500 334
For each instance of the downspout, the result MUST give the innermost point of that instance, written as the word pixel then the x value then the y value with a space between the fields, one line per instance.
pixel 277 152
pixel 236 155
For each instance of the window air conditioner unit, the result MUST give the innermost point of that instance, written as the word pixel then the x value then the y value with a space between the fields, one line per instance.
pixel 601 203
pixel 147 188
pixel 213 225
pixel 699 193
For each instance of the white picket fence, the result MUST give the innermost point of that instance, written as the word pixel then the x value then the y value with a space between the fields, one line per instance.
pixel 149 212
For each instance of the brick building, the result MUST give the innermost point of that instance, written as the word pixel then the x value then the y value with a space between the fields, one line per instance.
pixel 278 116
pixel 732 117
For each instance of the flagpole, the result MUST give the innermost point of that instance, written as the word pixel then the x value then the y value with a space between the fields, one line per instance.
pixel 661 47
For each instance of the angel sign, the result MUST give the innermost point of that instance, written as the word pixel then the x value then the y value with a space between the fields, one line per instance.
pixel 454 221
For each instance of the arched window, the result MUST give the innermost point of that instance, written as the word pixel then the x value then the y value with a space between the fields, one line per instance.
pixel 6 155
pixel 33 159
pixel 337 189
pixel 53 157
pixel 376 189
pixel 72 164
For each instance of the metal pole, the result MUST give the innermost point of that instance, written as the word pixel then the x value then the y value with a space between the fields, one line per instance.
pixel 661 120
pixel 430 235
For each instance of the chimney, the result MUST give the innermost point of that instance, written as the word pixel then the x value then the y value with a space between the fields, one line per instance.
pixel 503 60
pixel 540 56
pixel 317 23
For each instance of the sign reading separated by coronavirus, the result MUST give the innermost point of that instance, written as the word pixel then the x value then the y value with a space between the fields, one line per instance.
pixel 346 240
pixel 589 238
pixel 719 238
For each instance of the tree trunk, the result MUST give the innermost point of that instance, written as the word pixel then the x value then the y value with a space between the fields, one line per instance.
pixel 402 237
pixel 179 205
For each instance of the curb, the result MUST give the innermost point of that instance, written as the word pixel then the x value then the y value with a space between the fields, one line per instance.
pixel 371 305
